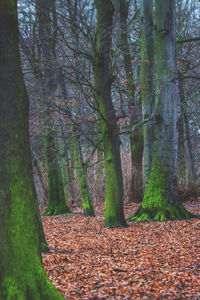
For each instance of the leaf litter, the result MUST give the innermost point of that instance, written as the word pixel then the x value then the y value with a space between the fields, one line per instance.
pixel 153 260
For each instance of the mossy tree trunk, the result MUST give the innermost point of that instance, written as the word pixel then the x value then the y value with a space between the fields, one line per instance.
pixel 114 211
pixel 21 273
pixel 136 137
pixel 46 21
pixel 161 198
pixel 81 172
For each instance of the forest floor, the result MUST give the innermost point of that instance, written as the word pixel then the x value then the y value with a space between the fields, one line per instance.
pixel 155 260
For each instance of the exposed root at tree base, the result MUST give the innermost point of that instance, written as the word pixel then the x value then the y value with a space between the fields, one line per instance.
pixel 45 247
pixel 55 212
pixel 36 286
pixel 89 213
pixel 115 223
pixel 161 214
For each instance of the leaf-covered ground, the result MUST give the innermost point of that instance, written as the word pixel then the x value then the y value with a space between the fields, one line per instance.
pixel 155 260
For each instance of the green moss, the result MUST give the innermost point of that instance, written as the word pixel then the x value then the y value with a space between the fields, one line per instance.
pixel 160 202
pixel 114 213
pixel 81 171
pixel 114 210
pixel 21 272
pixel 113 222
pixel 56 211
pixel 33 285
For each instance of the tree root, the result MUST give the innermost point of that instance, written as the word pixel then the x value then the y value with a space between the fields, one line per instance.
pixel 168 213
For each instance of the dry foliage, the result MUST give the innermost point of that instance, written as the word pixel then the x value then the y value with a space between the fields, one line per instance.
pixel 155 260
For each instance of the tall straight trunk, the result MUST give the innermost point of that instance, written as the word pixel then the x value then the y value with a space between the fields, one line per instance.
pixel 77 163
pixel 56 196
pixel 136 137
pixel 69 178
pixel 161 198
pixel 81 172
pixel 146 75
pixel 21 273
pixel 114 211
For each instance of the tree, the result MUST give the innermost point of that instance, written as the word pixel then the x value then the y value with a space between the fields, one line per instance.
pixel 147 86
pixel 136 137
pixel 81 172
pixel 56 195
pixel 114 212
pixel 21 272
pixel 161 198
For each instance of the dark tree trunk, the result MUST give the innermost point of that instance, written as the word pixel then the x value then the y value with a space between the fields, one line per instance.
pixel 46 20
pixel 147 85
pixel 81 172
pixel 114 211
pixel 136 137
pixel 21 274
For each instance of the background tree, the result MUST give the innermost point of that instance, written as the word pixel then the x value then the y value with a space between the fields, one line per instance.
pixel 147 85
pixel 47 34
pixel 114 213
pixel 161 198
pixel 134 105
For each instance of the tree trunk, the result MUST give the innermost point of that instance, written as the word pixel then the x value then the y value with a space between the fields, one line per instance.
pixel 161 198
pixel 81 171
pixel 21 273
pixel 114 211
pixel 69 178
pixel 100 174
pixel 37 167
pixel 56 196
pixel 147 89
pixel 136 137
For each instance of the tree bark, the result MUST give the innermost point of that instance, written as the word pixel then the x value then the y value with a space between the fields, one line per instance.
pixel 136 137
pixel 160 201
pixel 56 196
pixel 114 211
pixel 81 171
pixel 21 273
pixel 147 86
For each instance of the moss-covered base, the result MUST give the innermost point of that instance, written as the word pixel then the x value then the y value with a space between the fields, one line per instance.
pixel 89 212
pixel 114 222
pixel 57 211
pixel 177 212
pixel 36 287
pixel 44 247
